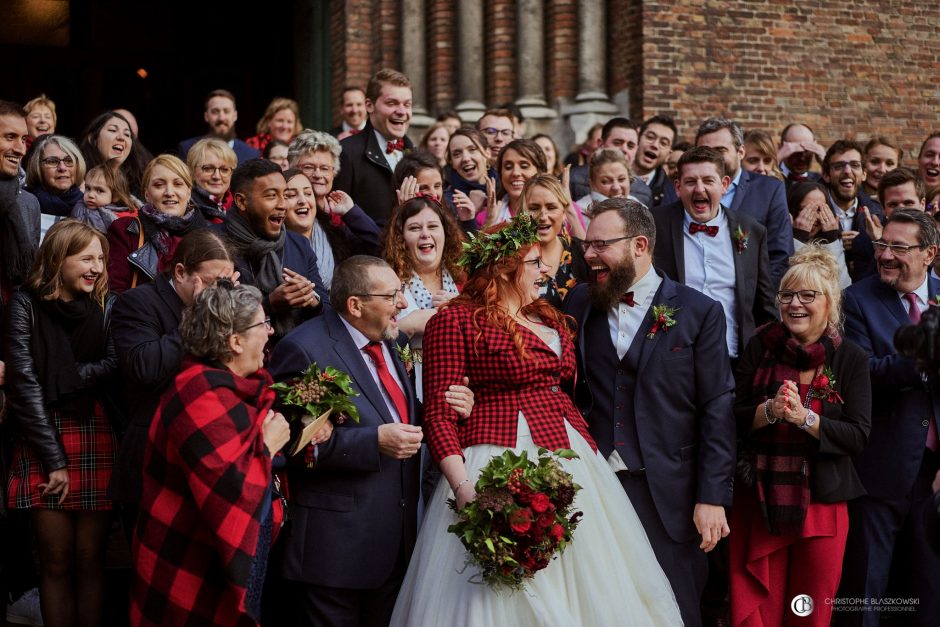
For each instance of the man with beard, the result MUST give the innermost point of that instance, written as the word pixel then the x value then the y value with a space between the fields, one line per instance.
pixel 761 197
pixel 278 262
pixel 714 250
pixel 353 112
pixel 655 386
pixel 618 133
pixel 221 115
pixel 798 147
pixel 901 459
pixel 843 174
pixel 368 160
pixel 19 210
pixel 655 143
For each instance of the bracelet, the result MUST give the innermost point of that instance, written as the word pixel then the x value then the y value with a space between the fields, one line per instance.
pixel 767 414
pixel 457 487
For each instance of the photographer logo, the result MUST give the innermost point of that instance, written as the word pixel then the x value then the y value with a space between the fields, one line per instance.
pixel 802 605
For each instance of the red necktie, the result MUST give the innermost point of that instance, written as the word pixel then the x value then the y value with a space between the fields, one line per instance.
pixel 914 314
pixel 398 144
pixel 627 299
pixel 697 227
pixel 374 349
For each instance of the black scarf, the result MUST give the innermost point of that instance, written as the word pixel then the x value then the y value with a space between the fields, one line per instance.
pixel 169 226
pixel 57 204
pixel 67 333
pixel 16 245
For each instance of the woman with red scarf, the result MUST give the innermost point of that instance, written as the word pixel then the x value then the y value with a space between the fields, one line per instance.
pixel 803 410
pixel 208 515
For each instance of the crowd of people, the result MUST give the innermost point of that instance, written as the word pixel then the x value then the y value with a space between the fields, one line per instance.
pixel 708 323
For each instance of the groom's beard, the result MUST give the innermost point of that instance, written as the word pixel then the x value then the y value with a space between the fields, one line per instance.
pixel 607 294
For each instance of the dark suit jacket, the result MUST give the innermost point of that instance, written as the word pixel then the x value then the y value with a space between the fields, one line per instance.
pixel 843 427
pixel 764 198
pixel 356 511
pixel 811 177
pixel 901 401
pixel 682 401
pixel 364 174
pixel 662 189
pixel 754 294
pixel 145 328
pixel 861 258
pixel 243 152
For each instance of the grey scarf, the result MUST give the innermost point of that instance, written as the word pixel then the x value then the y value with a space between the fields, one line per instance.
pixel 261 253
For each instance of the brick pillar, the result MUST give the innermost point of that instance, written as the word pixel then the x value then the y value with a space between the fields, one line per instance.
pixel 500 37
pixel 441 55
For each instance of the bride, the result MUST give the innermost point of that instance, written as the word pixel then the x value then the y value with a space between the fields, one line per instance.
pixel 519 356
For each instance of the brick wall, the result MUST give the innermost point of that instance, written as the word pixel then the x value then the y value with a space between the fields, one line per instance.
pixel 561 50
pixel 499 50
pixel 351 35
pixel 441 55
pixel 843 68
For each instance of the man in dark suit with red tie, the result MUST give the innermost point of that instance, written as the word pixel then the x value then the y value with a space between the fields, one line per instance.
pixel 354 516
pixel 902 457
pixel 370 156
pixel 655 386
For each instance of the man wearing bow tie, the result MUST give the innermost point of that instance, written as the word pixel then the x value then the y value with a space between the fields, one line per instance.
pixel 370 156
pixel 656 393
pixel 710 248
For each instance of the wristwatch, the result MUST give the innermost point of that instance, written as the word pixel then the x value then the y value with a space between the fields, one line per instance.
pixel 810 420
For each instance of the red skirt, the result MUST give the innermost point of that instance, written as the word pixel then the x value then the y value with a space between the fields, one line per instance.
pixel 90 447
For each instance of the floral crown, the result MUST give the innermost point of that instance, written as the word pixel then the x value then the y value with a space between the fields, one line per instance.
pixel 485 248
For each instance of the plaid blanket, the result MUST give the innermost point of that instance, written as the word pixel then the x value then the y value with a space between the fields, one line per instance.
pixel 207 478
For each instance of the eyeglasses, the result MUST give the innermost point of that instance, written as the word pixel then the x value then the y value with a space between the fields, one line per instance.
pixel 600 245
pixel 391 297
pixel 209 170
pixel 537 262
pixel 898 250
pixel 806 296
pixel 309 169
pixel 493 132
pixel 266 322
pixel 838 166
pixel 53 162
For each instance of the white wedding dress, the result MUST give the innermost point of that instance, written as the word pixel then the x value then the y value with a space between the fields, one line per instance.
pixel 608 575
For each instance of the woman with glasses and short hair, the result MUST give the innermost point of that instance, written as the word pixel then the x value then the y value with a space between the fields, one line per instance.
pixel 211 162
pixel 803 408
pixel 54 173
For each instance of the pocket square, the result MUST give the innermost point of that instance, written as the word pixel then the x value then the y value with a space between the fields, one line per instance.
pixel 677 349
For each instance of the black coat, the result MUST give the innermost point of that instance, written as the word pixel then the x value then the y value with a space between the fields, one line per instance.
pixel 145 329
pixel 364 174
pixel 843 428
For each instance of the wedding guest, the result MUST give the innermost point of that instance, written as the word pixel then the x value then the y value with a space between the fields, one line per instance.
pixel 435 141
pixel 518 161
pixel 814 222
pixel 276 151
pixel 20 216
pixel 418 173
pixel 553 164
pixel 105 199
pixel 211 162
pixel 40 116
pixel 803 407
pixel 141 246
pixel 108 139
pixel 609 177
pixel 881 155
pixel 451 120
pixel 471 179
pixel 54 174
pixel 59 363
pixel 208 516
pixel 760 154
pixel 281 121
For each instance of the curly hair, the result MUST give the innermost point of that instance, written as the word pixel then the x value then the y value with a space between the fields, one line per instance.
pixel 393 238
pixel 487 285
pixel 219 312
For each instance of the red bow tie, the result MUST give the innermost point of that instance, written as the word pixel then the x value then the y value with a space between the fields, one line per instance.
pixel 398 144
pixel 354 131
pixel 627 299
pixel 697 227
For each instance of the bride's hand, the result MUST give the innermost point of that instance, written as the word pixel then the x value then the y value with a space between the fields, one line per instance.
pixel 465 494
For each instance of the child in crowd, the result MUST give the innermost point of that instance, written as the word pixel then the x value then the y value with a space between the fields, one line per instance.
pixel 106 198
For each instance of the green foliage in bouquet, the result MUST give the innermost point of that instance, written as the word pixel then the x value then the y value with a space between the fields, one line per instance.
pixel 317 391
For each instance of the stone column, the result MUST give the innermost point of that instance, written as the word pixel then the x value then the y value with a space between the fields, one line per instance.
pixel 591 105
pixel 530 56
pixel 470 59
pixel 414 62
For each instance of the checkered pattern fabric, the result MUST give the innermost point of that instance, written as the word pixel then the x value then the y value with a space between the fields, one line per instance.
pixel 89 445
pixel 503 385
pixel 206 475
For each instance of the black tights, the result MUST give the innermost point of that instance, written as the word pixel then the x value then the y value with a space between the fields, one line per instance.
pixel 71 565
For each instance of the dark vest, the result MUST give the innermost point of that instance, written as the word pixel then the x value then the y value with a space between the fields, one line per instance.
pixel 612 419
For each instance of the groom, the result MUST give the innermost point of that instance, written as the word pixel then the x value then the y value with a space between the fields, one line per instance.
pixel 656 389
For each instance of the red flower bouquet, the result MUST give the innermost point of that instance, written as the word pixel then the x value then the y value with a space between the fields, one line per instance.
pixel 521 519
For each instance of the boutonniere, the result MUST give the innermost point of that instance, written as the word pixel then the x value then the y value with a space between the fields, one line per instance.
pixel 741 238
pixel 935 301
pixel 662 319
pixel 408 356
pixel 824 386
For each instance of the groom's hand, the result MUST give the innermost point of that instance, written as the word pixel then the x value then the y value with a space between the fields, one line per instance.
pixel 710 521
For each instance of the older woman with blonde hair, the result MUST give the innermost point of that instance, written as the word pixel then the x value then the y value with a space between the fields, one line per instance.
pixel 211 162
pixel 142 245
pixel 54 173
pixel 803 407
pixel 40 116
pixel 281 120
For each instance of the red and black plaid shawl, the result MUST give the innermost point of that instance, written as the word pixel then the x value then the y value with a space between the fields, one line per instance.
pixel 784 453
pixel 206 477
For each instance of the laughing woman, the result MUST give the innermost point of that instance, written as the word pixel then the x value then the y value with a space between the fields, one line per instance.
pixel 108 139
pixel 54 172
pixel 142 246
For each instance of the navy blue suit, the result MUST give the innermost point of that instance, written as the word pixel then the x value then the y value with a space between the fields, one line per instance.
pixel 764 198
pixel 895 468
pixel 354 517
pixel 243 152
pixel 861 258
pixel 674 409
